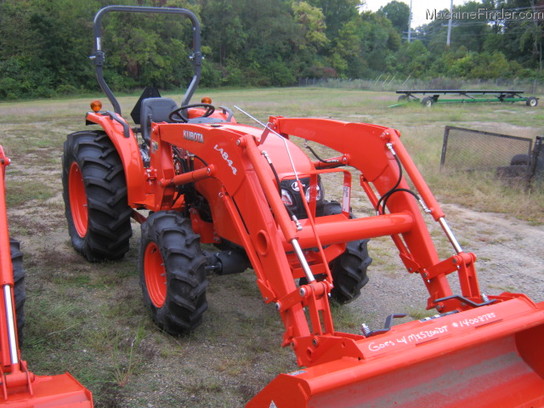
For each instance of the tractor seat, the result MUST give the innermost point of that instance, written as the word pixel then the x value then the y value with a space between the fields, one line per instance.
pixel 155 110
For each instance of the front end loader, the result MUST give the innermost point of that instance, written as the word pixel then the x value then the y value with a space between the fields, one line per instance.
pixel 192 175
pixel 20 388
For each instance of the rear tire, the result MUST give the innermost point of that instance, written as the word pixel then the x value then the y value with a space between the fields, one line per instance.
pixel 19 292
pixel 172 272
pixel 95 196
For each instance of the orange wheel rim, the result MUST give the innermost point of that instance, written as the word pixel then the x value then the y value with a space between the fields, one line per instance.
pixel 78 200
pixel 155 275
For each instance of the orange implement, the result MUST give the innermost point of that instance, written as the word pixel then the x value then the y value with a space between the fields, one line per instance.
pixel 487 357
pixel 20 388
pixel 59 391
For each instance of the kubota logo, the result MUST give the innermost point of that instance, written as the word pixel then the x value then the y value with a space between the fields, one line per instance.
pixel 193 136
pixel 225 157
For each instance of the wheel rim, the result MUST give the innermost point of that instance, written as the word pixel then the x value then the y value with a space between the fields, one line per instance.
pixel 78 200
pixel 155 275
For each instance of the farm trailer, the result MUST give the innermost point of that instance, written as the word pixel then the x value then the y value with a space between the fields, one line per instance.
pixel 432 96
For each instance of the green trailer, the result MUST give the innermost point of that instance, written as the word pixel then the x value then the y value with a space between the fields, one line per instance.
pixel 429 97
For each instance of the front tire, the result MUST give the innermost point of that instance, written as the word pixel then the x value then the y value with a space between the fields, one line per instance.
pixel 172 272
pixel 95 196
pixel 349 270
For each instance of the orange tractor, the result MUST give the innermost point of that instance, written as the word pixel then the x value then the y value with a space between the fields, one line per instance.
pixel 20 387
pixel 260 200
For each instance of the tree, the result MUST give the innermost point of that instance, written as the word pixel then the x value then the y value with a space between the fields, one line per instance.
pixel 363 45
pixel 337 13
pixel 144 50
pixel 227 38
pixel 44 46
pixel 311 23
pixel 399 15
pixel 470 33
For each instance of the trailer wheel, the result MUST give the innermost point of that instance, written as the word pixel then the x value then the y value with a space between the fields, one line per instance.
pixel 531 101
pixel 95 196
pixel 349 270
pixel 19 292
pixel 172 272
pixel 427 101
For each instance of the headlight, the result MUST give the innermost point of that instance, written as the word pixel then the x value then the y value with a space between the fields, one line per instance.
pixel 319 194
pixel 286 197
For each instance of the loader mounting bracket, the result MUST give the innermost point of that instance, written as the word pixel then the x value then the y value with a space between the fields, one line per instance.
pixel 466 301
pixel 386 327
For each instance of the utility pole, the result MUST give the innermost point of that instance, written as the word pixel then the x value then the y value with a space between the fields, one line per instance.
pixel 537 44
pixel 410 24
pixel 448 39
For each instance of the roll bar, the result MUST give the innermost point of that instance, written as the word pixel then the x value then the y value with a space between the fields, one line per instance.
pixel 99 56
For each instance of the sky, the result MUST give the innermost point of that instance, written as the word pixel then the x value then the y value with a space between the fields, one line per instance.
pixel 419 8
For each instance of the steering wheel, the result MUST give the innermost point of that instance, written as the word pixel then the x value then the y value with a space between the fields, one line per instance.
pixel 179 115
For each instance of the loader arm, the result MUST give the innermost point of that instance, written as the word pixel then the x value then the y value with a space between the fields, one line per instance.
pixel 257 218
pixel 378 166
pixel 19 387
pixel 235 176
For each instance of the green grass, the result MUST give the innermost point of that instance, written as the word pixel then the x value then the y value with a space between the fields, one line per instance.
pixel 26 191
pixel 89 318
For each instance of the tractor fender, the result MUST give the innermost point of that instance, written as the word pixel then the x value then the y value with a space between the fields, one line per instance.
pixel 126 144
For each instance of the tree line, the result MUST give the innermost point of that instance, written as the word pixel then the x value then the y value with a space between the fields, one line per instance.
pixel 45 44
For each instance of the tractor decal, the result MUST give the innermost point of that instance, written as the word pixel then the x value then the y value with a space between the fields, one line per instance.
pixel 225 157
pixel 193 136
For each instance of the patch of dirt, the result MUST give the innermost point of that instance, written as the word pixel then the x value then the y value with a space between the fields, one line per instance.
pixel 510 252
pixel 88 319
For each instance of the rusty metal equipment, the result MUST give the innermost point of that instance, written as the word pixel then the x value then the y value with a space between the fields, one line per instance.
pixel 509 157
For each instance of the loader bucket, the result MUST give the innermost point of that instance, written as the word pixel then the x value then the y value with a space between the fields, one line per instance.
pixel 59 391
pixel 490 356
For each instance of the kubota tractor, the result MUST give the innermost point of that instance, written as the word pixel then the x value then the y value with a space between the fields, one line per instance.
pixel 191 174
pixel 20 387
